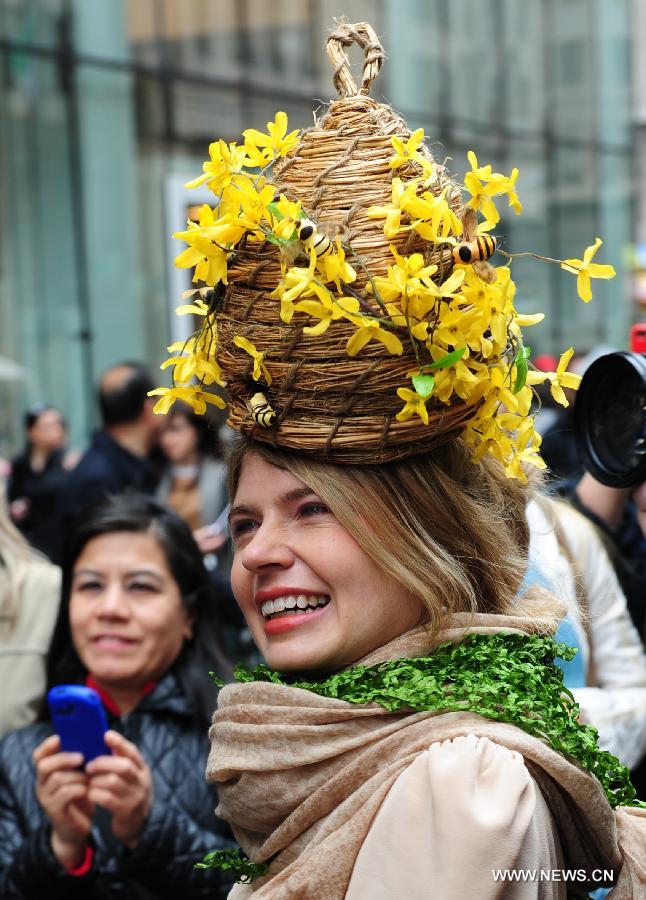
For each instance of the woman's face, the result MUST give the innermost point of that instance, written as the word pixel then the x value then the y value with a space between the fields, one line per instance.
pixel 331 603
pixel 48 431
pixel 179 440
pixel 127 618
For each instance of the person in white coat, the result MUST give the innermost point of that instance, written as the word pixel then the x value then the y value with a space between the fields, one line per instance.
pixel 608 679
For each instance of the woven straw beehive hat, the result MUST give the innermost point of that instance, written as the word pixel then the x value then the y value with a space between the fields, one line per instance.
pixel 357 279
pixel 327 403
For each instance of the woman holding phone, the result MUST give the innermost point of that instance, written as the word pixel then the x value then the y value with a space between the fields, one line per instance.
pixel 137 624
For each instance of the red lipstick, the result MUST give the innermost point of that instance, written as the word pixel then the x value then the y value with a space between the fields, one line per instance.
pixel 288 623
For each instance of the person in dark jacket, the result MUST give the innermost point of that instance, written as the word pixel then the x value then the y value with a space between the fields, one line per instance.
pixel 136 624
pixel 38 474
pixel 118 457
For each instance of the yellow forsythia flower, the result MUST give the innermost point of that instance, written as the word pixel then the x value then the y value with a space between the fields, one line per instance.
pixel 559 379
pixel 367 330
pixel 404 152
pixel 277 141
pixel 226 160
pixel 194 396
pixel 415 405
pixel 259 367
pixel 585 269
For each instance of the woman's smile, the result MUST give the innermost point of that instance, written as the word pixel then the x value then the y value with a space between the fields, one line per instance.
pixel 113 642
pixel 284 608
pixel 289 612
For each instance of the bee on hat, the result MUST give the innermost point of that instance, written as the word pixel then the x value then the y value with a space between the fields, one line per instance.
pixel 261 411
pixel 475 249
pixel 213 296
pixel 313 239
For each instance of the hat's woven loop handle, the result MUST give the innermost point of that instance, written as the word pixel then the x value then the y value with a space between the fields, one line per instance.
pixel 365 36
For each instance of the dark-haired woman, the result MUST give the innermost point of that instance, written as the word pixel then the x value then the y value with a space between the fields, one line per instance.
pixel 194 481
pixel 37 478
pixel 136 624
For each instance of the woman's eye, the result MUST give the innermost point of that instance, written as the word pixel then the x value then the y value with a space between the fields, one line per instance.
pixel 313 509
pixel 240 527
pixel 88 586
pixel 142 587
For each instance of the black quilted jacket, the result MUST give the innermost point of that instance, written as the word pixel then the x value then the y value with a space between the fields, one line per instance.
pixel 180 829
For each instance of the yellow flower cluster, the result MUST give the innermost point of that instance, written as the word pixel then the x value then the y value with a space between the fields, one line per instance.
pixel 244 207
pixel 465 332
pixel 483 185
pixel 196 360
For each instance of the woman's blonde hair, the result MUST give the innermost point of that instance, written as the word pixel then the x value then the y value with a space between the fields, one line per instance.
pixel 454 533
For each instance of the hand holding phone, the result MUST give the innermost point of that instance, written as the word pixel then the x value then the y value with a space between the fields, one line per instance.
pixel 92 766
pixel 79 720
pixel 62 791
pixel 122 784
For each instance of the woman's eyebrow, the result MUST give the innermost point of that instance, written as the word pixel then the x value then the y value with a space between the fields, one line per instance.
pixel 153 573
pixel 284 499
pixel 297 494
pixel 94 573
pixel 241 509
pixel 86 571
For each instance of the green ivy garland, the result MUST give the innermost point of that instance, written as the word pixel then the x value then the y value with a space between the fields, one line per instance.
pixel 505 677
pixel 232 860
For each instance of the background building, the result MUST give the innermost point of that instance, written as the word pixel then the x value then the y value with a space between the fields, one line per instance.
pixel 107 107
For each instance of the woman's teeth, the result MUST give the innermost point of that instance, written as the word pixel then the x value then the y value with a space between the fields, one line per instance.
pixel 293 604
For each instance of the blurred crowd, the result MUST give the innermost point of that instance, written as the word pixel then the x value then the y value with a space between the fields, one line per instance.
pixel 175 458
pixel 124 547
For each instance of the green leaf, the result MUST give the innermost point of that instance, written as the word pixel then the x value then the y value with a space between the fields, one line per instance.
pixel 234 860
pixel 281 242
pixel 521 368
pixel 446 361
pixel 276 213
pixel 217 681
pixel 423 384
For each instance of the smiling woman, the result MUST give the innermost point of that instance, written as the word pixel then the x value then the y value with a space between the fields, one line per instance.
pixel 343 534
pixel 138 623
pixel 387 602
pixel 409 733
pixel 127 618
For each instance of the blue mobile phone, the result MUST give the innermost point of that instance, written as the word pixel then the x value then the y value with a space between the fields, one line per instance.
pixel 79 720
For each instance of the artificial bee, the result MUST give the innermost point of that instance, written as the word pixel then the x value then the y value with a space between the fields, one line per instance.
pixel 475 249
pixel 262 413
pixel 213 296
pixel 311 238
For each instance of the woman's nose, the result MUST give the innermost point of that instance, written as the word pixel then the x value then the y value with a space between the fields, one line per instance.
pixel 268 548
pixel 113 602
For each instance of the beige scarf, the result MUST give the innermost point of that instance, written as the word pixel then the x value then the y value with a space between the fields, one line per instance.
pixel 301 777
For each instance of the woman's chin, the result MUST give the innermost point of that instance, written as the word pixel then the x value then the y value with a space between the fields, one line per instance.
pixel 298 655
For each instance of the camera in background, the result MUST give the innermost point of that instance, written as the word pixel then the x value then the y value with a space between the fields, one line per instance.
pixel 610 415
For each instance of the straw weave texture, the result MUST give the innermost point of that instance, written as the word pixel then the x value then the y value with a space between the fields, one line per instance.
pixel 327 403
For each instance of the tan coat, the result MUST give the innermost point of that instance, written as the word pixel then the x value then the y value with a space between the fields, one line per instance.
pixel 25 641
